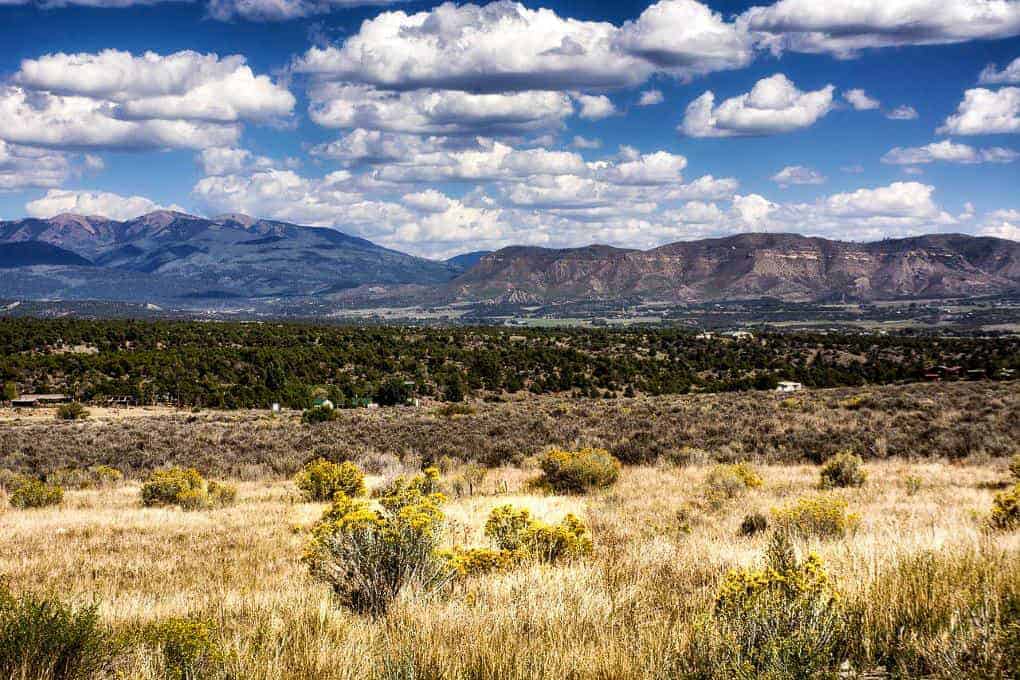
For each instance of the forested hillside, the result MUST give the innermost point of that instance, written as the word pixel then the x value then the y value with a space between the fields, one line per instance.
pixel 236 365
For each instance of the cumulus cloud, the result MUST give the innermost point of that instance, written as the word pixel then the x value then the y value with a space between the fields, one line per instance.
pixel 24 167
pixel 595 107
pixel 1009 75
pixel 282 10
pixel 370 147
pixel 220 160
pixel 899 199
pixel 499 47
pixel 1002 224
pixel 115 100
pixel 860 100
pixel 180 86
pixel 902 113
pixel 843 29
pixel 651 98
pixel 949 152
pixel 100 203
pixel 797 174
pixel 985 112
pixel 774 105
pixel 69 122
pixel 685 38
pixel 580 142
pixel 437 112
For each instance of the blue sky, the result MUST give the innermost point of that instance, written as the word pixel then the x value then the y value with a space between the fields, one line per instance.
pixel 441 129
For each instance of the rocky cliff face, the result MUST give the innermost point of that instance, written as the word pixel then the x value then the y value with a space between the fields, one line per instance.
pixel 751 266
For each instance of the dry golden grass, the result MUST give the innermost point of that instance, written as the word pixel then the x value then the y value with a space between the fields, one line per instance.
pixel 628 612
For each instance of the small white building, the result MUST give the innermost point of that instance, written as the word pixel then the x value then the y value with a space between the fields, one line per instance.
pixel 788 386
pixel 741 335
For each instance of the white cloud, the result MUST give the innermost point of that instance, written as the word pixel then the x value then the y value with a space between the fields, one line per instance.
pixel 706 188
pixel 899 199
pixel 797 174
pixel 774 105
pixel 49 120
pixel 115 100
pixel 500 47
pixel 595 107
pixel 685 38
pixel 580 142
pixel 949 152
pixel 360 146
pixel 651 98
pixel 428 201
pixel 844 28
pixel 985 112
pixel 650 169
pixel 1002 224
pixel 112 206
pixel 24 167
pixel 282 10
pixel 220 160
pixel 179 86
pixel 902 113
pixel 437 112
pixel 860 100
pixel 1010 75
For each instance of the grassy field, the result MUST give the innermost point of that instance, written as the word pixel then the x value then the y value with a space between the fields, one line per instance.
pixel 918 586
pixel 637 608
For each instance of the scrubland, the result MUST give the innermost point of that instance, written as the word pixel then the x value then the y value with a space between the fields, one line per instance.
pixel 916 584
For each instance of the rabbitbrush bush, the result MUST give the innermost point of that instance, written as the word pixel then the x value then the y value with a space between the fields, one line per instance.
pixel 782 621
pixel 368 555
pixel 27 492
pixel 578 471
pixel 1006 510
pixel 819 516
pixel 843 470
pixel 45 639
pixel 729 481
pixel 514 532
pixel 186 488
pixel 186 649
pixel 321 480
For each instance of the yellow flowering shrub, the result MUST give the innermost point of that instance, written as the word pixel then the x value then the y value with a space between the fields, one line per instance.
pixel 321 479
pixel 185 488
pixel 729 481
pixel 479 561
pixel 367 555
pixel 1014 466
pixel 27 492
pixel 822 516
pixel 1006 510
pixel 843 470
pixel 514 531
pixel 578 471
pixel 783 620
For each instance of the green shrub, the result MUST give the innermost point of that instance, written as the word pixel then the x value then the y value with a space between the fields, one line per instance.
pixel 319 414
pixel 321 479
pixel 72 411
pixel 578 471
pixel 32 493
pixel 106 475
pixel 913 484
pixel 186 649
pixel 185 488
pixel 843 470
pixel 820 516
pixel 44 639
pixel 1014 466
pixel 730 481
pixel 514 532
pixel 368 556
pixel 755 523
pixel 1006 510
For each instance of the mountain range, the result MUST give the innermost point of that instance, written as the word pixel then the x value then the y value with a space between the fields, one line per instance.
pixel 169 256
